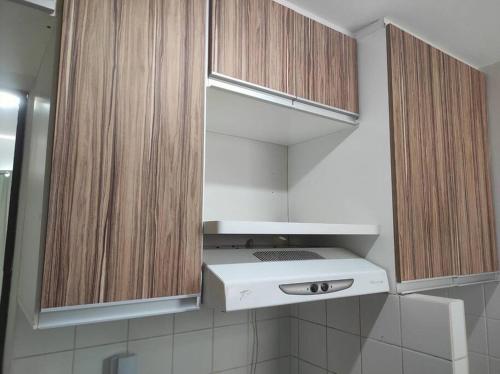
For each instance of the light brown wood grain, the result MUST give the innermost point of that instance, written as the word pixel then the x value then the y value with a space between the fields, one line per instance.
pixel 252 40
pixel 325 65
pixel 269 45
pixel 443 209
pixel 124 219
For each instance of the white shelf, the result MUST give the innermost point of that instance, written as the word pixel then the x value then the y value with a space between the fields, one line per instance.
pixel 286 228
pixel 233 109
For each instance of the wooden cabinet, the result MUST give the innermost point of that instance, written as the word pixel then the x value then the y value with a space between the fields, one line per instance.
pixel 266 44
pixel 124 215
pixel 325 65
pixel 252 41
pixel 443 209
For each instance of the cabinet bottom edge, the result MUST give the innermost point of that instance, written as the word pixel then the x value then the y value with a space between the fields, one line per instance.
pixel 86 314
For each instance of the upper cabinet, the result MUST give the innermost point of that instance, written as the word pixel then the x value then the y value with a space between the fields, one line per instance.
pixel 124 213
pixel 252 41
pixel 263 43
pixel 443 208
pixel 326 70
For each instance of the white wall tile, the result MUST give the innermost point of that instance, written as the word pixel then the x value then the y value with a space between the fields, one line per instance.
pixel 294 337
pixel 101 333
pixel 440 292
pixel 306 368
pixel 150 327
pixel 193 352
pixel 478 364
pixel 285 365
pixel 285 336
pixel 154 355
pixel 230 347
pixel 273 312
pixel 380 318
pixel 381 358
pixel 493 326
pixel 434 325
pixel 95 360
pixel 55 363
pixel 343 314
pixel 494 366
pixel 344 352
pixel 312 344
pixel 242 370
pixel 461 366
pixel 273 367
pixel 192 321
pixel 273 339
pixel 473 298
pixel 294 366
pixel 268 339
pixel 418 363
pixel 477 338
pixel 230 318
pixel 28 342
pixel 313 312
pixel 492 298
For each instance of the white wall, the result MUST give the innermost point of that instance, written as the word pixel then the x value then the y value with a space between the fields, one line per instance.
pixel 245 180
pixel 493 80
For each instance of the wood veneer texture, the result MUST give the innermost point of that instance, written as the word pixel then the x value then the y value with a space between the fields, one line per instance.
pixel 124 218
pixel 266 44
pixel 443 212
pixel 252 40
pixel 325 65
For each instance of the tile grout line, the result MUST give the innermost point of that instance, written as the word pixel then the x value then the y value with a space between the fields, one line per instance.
pixel 401 332
pixel 326 337
pixel 360 337
pixel 298 339
pixel 486 322
pixel 173 343
pixel 213 343
pixel 128 336
pixel 74 351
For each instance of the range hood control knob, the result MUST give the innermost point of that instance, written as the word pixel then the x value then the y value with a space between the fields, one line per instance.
pixel 314 288
pixel 324 287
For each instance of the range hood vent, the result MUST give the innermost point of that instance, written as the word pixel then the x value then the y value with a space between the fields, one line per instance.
pixel 237 279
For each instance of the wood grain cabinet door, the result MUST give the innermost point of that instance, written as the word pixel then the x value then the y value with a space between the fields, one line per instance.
pixel 124 217
pixel 326 65
pixel 443 210
pixel 252 41
pixel 266 44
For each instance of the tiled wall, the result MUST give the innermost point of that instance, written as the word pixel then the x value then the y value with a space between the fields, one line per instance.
pixel 482 314
pixel 376 334
pixel 201 342
pixel 379 334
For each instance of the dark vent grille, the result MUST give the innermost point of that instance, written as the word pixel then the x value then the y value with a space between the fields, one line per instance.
pixel 270 256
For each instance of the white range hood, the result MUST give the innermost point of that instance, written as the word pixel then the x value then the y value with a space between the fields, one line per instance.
pixel 237 279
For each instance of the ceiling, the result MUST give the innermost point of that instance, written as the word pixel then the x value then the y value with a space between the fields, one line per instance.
pixel 468 29
pixel 23 39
